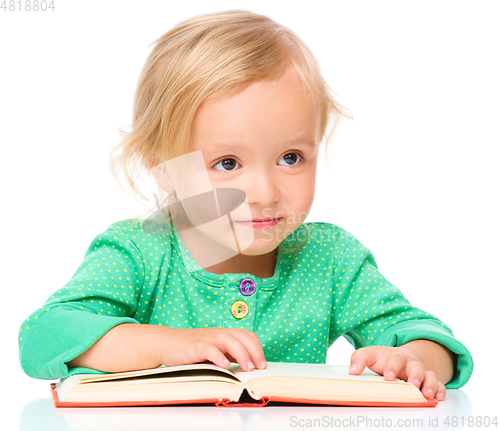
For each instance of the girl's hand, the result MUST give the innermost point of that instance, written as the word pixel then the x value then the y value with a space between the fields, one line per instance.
pixel 218 345
pixel 401 363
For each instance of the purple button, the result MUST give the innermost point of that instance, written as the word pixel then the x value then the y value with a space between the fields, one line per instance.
pixel 247 286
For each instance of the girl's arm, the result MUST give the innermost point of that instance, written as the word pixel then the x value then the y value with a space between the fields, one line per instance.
pixel 129 347
pixel 100 318
pixel 388 333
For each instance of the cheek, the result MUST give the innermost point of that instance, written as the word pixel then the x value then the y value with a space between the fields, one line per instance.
pixel 306 188
pixel 300 197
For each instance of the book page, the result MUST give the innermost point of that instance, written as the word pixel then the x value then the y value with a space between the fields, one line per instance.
pixel 63 386
pixel 87 378
pixel 321 371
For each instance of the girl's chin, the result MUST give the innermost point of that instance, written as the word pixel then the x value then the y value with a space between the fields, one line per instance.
pixel 250 241
pixel 260 246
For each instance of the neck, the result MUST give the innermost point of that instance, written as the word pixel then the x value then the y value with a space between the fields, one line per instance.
pixel 262 266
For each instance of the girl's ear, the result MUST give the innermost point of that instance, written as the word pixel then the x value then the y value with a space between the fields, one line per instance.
pixel 162 178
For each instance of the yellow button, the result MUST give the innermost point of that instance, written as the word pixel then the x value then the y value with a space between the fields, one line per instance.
pixel 239 309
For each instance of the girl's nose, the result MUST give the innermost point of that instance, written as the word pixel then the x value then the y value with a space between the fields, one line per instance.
pixel 262 188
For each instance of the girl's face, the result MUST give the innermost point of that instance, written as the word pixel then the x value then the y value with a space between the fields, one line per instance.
pixel 263 140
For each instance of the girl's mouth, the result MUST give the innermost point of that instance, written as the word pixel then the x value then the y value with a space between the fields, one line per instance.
pixel 260 224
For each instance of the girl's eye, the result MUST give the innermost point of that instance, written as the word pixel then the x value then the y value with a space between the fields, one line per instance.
pixel 226 164
pixel 291 159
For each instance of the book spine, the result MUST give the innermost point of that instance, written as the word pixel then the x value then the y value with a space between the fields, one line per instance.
pixel 226 402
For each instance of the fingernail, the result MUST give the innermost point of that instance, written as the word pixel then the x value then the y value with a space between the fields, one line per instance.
pixel 250 365
pixel 225 362
pixel 429 392
pixel 391 375
pixel 353 368
pixel 440 396
pixel 263 364
pixel 416 383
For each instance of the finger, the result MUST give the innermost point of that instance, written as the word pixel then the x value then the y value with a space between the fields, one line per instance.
pixel 213 354
pixel 228 343
pixel 430 384
pixel 415 373
pixel 441 392
pixel 394 364
pixel 230 358
pixel 254 347
pixel 363 357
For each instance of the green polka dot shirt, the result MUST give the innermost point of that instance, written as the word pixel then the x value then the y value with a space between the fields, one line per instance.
pixel 326 284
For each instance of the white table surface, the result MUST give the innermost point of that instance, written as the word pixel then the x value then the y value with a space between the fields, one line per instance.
pixel 40 414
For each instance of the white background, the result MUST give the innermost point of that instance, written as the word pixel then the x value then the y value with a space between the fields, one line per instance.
pixel 414 176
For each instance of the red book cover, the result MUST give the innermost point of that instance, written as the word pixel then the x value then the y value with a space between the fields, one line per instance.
pixel 227 403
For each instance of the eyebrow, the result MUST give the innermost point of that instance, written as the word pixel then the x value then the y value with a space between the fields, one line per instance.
pixel 301 141
pixel 230 147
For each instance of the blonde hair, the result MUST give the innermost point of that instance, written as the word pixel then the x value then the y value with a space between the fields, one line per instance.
pixel 208 56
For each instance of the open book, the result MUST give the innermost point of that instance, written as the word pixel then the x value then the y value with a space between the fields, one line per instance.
pixel 208 383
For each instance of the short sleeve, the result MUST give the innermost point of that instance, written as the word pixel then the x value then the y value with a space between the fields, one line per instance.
pixel 103 293
pixel 371 311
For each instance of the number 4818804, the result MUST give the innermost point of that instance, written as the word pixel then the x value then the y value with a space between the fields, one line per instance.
pixel 28 5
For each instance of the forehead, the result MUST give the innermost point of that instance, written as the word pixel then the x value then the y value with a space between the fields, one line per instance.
pixel 266 111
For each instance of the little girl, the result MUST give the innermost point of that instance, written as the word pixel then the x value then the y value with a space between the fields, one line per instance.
pixel 229 114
